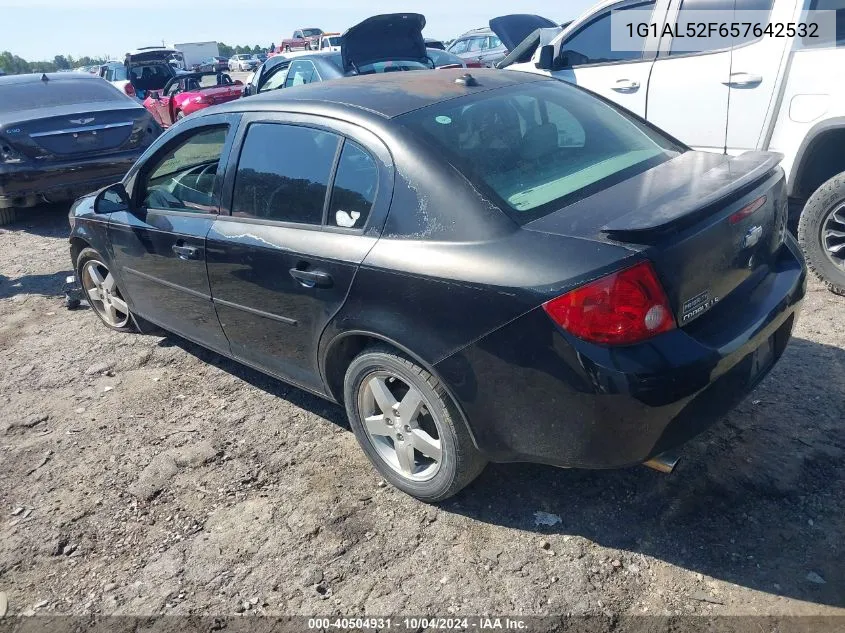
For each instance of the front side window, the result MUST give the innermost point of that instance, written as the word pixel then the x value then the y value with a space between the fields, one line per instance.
pixel 183 178
pixel 283 173
pixel 495 42
pixel 459 47
pixel 537 147
pixel 476 44
pixel 276 79
pixel 591 44
pixel 354 188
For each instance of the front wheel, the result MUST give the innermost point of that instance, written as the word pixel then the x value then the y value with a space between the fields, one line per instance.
pixel 821 233
pixel 408 426
pixel 102 292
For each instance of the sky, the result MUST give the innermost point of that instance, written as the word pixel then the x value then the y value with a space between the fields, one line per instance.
pixel 40 29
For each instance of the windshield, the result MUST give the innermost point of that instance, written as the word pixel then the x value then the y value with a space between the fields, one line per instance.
pixel 539 146
pixel 56 92
pixel 311 32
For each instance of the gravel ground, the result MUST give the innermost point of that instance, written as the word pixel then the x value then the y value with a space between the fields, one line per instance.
pixel 145 475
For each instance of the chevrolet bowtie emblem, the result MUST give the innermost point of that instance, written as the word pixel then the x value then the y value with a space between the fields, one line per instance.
pixel 82 121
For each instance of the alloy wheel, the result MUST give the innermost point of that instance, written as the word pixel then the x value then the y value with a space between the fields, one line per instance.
pixel 401 426
pixel 103 294
pixel 833 236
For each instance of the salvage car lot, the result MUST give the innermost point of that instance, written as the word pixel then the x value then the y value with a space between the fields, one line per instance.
pixel 154 476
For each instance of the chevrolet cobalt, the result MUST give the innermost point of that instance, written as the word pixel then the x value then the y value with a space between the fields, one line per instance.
pixel 486 267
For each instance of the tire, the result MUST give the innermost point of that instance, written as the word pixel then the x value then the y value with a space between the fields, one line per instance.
pixel 386 439
pixel 287 49
pixel 113 310
pixel 7 216
pixel 821 233
pixel 307 46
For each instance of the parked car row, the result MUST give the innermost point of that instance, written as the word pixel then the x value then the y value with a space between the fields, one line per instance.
pixel 596 291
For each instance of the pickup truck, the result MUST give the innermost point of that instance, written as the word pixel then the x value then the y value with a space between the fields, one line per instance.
pixel 302 40
pixel 780 94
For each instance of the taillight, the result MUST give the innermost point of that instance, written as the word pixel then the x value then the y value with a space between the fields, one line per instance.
pixel 625 307
pixel 747 210
pixel 129 89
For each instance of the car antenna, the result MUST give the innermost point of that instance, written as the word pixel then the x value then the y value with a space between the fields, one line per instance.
pixel 44 77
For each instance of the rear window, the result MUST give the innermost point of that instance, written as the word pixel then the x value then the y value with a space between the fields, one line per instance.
pixel 56 92
pixel 537 147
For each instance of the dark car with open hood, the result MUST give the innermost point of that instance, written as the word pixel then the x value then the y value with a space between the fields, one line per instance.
pixel 66 134
pixel 487 267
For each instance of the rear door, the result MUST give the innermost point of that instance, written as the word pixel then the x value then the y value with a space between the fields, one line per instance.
pixel 688 93
pixel 587 58
pixel 301 222
pixel 755 77
pixel 159 247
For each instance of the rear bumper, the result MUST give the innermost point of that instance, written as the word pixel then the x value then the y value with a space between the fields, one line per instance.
pixel 27 185
pixel 532 392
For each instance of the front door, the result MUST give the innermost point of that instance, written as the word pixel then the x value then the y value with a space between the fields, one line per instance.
pixel 159 246
pixel 281 265
pixel 588 58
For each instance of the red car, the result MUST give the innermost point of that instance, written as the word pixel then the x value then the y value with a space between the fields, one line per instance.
pixel 187 93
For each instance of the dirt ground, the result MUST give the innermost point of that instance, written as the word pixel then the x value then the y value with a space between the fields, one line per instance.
pixel 143 475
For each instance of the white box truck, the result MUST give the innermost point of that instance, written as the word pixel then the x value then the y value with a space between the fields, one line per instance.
pixel 195 52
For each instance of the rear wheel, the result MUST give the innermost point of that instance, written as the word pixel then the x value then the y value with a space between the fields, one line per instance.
pixel 102 292
pixel 287 49
pixel 408 426
pixel 821 233
pixel 307 46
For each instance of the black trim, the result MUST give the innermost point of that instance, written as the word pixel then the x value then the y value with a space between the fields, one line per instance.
pixel 194 293
pixel 799 164
pixel 261 313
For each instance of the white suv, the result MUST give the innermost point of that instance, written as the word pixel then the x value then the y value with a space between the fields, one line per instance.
pixel 781 94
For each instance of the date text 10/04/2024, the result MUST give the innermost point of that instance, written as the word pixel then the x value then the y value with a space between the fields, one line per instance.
pixel 416 624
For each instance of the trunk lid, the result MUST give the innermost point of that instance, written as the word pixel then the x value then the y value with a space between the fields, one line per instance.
pixel 513 29
pixel 390 37
pixel 94 128
pixel 709 223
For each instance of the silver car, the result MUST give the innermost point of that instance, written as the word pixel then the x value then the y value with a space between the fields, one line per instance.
pixel 481 46
pixel 243 63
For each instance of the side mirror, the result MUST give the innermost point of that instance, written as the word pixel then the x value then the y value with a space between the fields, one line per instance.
pixel 111 199
pixel 546 59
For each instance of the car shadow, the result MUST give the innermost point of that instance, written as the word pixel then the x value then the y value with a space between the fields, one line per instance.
pixel 51 285
pixel 757 501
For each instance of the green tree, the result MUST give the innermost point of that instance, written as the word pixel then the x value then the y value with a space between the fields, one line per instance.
pixel 61 62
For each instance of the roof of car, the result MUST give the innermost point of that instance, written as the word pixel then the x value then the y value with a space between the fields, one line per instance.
pixel 31 78
pixel 385 94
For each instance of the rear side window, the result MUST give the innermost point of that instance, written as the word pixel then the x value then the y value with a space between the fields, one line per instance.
pixel 722 12
pixel 458 47
pixel 283 173
pixel 354 188
pixel 537 147
pixel 301 73
pixel 829 5
pixel 56 92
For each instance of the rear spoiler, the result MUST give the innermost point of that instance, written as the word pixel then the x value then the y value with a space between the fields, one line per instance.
pixel 720 183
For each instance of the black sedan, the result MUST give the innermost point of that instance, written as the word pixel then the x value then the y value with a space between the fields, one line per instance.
pixel 490 267
pixel 66 134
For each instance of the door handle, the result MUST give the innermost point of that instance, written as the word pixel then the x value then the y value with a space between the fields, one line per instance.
pixel 311 278
pixel 186 252
pixel 626 85
pixel 743 80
